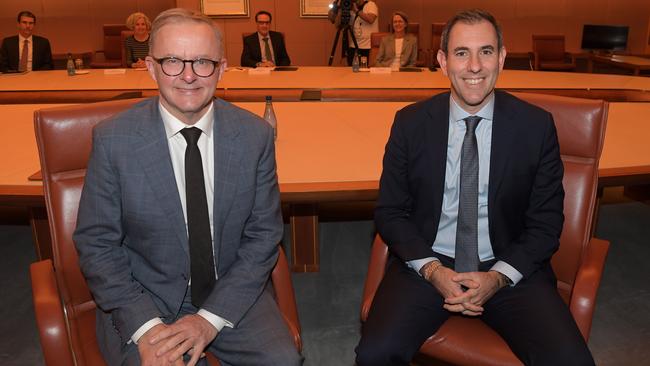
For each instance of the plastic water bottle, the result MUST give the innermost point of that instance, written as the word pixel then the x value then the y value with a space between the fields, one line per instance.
pixel 269 116
pixel 70 65
pixel 355 62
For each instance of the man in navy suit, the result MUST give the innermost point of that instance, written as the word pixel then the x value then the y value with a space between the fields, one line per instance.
pixel 265 47
pixel 515 223
pixel 140 208
pixel 25 51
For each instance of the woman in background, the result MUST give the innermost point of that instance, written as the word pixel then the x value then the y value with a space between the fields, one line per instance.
pixel 399 49
pixel 137 45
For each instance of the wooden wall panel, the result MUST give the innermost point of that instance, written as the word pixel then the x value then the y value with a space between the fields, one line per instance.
pixel 75 25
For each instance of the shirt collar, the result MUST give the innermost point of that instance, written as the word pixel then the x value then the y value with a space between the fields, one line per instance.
pixel 456 113
pixel 22 39
pixel 261 37
pixel 173 125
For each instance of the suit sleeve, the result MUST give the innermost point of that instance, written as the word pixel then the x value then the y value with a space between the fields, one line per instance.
pixel 282 56
pixel 412 57
pixel 382 58
pixel 247 59
pixel 47 56
pixel 102 257
pixel 4 56
pixel 237 290
pixel 543 217
pixel 395 202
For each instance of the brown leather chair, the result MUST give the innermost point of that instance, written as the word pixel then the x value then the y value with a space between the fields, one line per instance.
pixel 549 54
pixel 578 263
pixel 436 36
pixel 65 310
pixel 375 41
pixel 112 51
pixel 123 36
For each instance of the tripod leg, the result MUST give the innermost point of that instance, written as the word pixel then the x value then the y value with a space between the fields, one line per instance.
pixel 336 40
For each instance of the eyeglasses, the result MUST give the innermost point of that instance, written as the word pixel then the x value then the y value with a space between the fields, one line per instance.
pixel 172 66
pixel 261 22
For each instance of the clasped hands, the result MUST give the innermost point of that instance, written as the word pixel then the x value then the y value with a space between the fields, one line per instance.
pixel 165 344
pixel 479 287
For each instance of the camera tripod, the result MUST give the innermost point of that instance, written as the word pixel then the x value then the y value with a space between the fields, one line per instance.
pixel 346 30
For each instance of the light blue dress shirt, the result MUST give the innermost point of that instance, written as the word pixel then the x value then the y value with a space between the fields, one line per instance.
pixel 445 242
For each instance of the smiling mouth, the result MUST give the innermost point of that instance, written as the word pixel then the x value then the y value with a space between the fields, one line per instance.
pixel 473 81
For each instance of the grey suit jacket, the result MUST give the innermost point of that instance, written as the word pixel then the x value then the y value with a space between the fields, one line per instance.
pixel 387 51
pixel 131 234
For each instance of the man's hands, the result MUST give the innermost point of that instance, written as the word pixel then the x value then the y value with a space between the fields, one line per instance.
pixel 148 351
pixel 480 287
pixel 166 344
pixel 139 64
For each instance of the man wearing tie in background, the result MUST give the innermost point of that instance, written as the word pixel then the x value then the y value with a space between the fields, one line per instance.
pixel 264 48
pixel 471 208
pixel 25 51
pixel 179 218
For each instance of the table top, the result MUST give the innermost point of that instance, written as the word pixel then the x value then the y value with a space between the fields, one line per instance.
pixel 317 77
pixel 622 59
pixel 337 148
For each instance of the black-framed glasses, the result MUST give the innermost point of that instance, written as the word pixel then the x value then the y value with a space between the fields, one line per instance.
pixel 172 66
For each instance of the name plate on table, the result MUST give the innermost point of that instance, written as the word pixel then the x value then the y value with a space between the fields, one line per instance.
pixel 380 70
pixel 114 71
pixel 260 71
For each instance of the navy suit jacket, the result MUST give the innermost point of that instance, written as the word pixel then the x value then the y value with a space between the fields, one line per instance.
pixel 525 194
pixel 41 54
pixel 252 54
pixel 131 235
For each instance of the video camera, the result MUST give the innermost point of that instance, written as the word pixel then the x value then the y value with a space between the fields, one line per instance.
pixel 339 12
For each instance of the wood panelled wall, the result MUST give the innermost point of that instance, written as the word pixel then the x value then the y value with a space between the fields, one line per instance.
pixel 75 25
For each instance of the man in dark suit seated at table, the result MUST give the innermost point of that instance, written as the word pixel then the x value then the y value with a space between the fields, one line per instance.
pixel 471 208
pixel 265 47
pixel 179 219
pixel 25 51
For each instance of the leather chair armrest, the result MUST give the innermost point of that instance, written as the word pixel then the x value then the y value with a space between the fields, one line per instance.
pixel 376 270
pixel 285 297
pixel 535 61
pixel 590 272
pixel 50 317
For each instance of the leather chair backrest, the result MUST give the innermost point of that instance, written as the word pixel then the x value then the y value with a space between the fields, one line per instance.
pixel 580 126
pixel 549 47
pixel 375 41
pixel 64 137
pixel 112 41
pixel 123 36
pixel 436 36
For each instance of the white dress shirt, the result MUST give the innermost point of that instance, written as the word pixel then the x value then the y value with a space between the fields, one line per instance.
pixel 445 242
pixel 177 145
pixel 21 44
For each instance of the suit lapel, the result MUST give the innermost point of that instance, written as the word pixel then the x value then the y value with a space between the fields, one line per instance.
pixel 227 154
pixel 437 131
pixel 503 138
pixel 152 153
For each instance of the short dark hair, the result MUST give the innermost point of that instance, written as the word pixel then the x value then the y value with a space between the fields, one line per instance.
pixel 472 16
pixel 265 13
pixel 25 13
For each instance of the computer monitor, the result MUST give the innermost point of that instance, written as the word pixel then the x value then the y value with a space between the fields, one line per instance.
pixel 604 37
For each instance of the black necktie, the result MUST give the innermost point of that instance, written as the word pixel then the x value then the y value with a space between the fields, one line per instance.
pixel 467 224
pixel 267 49
pixel 198 221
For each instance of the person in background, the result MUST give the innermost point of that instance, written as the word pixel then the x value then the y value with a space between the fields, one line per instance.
pixel 471 207
pixel 399 49
pixel 137 45
pixel 179 219
pixel 25 51
pixel 363 21
pixel 265 47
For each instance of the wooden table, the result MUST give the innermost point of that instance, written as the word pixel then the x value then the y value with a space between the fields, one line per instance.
pixel 634 63
pixel 326 152
pixel 332 82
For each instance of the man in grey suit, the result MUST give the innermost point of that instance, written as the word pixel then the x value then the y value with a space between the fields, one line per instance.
pixel 137 226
